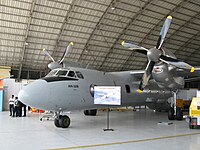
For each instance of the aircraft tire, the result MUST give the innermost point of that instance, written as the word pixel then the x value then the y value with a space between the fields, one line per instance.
pixel 179 114
pixel 91 112
pixel 56 122
pixel 64 121
pixel 171 114
pixel 86 112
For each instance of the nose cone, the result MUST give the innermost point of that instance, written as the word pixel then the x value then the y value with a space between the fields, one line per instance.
pixel 35 94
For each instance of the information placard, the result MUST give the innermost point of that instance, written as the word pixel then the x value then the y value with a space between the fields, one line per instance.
pixel 107 95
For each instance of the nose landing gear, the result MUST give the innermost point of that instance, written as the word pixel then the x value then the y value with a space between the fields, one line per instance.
pixel 61 121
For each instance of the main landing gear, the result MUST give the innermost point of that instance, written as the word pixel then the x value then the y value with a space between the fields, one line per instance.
pixel 62 121
pixel 91 112
pixel 175 112
pixel 173 116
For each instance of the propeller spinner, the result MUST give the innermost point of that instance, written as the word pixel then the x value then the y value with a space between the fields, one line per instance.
pixel 58 64
pixel 155 55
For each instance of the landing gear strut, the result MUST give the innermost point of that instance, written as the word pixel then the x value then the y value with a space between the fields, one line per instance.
pixel 61 121
pixel 175 112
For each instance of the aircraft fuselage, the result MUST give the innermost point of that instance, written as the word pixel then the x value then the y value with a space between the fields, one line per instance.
pixel 60 93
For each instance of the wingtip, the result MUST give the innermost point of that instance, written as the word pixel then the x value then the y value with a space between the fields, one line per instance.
pixel 169 17
pixel 192 69
pixel 122 43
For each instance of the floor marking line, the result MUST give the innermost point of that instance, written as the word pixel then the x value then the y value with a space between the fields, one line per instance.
pixel 126 142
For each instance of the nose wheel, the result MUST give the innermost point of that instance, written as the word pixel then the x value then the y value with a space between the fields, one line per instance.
pixel 62 121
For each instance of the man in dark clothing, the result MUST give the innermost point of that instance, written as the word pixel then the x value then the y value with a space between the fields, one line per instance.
pixel 20 104
pixel 16 107
pixel 24 107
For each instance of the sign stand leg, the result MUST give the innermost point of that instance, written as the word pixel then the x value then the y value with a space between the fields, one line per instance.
pixel 108 129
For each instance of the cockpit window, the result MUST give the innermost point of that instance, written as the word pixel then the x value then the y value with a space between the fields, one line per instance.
pixel 71 74
pixel 61 73
pixel 52 73
pixel 79 75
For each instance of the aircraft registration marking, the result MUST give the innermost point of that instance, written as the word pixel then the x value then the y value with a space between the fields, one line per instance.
pixel 73 86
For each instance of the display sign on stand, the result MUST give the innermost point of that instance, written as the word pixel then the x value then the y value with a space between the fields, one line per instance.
pixel 107 95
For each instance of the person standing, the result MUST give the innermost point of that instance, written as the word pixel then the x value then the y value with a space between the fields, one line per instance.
pixel 20 105
pixel 11 105
pixel 16 107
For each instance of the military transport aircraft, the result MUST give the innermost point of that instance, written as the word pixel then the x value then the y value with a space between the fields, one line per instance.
pixel 70 88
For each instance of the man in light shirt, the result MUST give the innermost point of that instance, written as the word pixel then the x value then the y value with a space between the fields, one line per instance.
pixel 11 105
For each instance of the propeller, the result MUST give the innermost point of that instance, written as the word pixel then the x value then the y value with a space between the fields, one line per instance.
pixel 164 31
pixel 58 64
pixel 156 54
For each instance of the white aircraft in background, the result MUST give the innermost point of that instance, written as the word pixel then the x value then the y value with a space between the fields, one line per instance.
pixel 72 88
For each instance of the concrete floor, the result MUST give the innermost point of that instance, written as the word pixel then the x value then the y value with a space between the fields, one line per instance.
pixel 132 130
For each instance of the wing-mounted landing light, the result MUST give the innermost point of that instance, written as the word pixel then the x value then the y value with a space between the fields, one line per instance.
pixel 155 55
pixel 58 64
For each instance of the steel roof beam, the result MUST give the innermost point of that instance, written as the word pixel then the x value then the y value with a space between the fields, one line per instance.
pixel 26 37
pixel 126 28
pixel 63 27
pixel 72 5
pixel 187 43
pixel 181 4
pixel 96 28
pixel 181 27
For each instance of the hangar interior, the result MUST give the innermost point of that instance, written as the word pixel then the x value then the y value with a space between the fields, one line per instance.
pixel 97 28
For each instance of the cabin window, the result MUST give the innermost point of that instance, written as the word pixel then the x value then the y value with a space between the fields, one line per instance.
pixel 61 73
pixel 128 90
pixel 71 74
pixel 79 75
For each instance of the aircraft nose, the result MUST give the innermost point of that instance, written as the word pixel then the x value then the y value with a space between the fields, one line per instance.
pixel 34 94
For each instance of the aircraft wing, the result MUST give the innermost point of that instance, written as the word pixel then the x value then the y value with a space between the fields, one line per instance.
pixel 190 76
pixel 137 74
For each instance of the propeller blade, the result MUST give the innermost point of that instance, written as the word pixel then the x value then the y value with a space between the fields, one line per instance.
pixel 177 63
pixel 164 31
pixel 47 53
pixel 146 75
pixel 132 46
pixel 69 47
